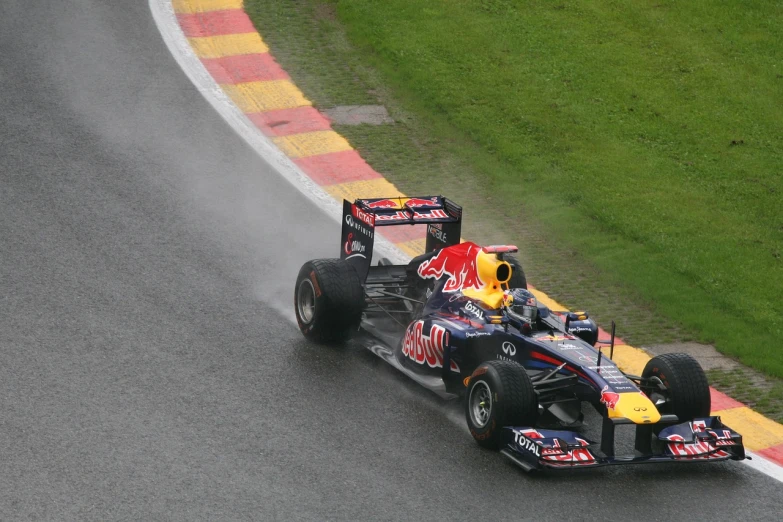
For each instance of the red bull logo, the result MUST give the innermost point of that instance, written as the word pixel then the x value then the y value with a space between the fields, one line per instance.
pixel 609 398
pixel 458 262
pixel 385 203
pixel 426 349
pixel 422 203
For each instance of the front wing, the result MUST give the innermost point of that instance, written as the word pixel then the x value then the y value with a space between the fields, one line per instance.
pixel 703 439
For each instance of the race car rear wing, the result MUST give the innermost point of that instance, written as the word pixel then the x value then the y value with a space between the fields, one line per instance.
pixel 442 217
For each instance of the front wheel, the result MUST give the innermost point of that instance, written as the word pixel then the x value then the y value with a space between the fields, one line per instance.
pixel 499 394
pixel 676 383
pixel 328 300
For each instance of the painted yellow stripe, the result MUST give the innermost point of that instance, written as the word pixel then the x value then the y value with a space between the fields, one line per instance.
pixel 629 359
pixel 228 45
pixel 758 432
pixel 201 6
pixel 253 97
pixel 371 188
pixel 413 248
pixel 311 143
pixel 548 301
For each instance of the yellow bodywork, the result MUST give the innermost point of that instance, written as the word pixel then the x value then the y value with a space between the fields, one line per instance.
pixel 635 407
pixel 493 273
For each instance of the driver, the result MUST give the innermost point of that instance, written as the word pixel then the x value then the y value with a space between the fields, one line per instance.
pixel 522 309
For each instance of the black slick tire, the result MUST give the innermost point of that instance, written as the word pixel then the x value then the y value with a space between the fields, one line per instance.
pixel 328 300
pixel 687 391
pixel 499 394
pixel 518 279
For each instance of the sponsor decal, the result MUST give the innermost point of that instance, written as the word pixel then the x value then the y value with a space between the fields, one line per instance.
pixel 556 338
pixel 609 398
pixel 354 248
pixel 359 226
pixel 436 232
pixel 458 262
pixel 504 358
pixel 474 310
pixel 385 203
pixel 365 217
pixel 477 334
pixel 577 329
pixel 697 450
pixel 316 286
pixel 397 216
pixel 432 214
pixel 611 374
pixel 509 348
pixel 527 444
pixel 567 346
pixel 574 457
pixel 426 348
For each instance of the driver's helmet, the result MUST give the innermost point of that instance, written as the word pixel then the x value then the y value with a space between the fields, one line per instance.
pixel 521 305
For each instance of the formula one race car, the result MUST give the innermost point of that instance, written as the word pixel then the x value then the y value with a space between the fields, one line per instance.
pixel 459 320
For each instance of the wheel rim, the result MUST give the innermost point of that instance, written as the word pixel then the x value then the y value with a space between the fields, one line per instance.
pixel 305 301
pixel 480 404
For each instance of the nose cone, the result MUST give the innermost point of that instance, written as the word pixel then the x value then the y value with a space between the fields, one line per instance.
pixel 635 407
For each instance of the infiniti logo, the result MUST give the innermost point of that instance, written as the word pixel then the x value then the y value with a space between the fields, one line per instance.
pixel 509 348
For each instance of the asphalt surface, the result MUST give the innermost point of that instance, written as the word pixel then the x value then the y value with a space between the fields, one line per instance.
pixel 149 368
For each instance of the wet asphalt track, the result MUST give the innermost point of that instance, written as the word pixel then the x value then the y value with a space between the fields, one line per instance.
pixel 145 372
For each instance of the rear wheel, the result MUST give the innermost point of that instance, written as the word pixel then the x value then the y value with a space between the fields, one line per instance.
pixel 677 383
pixel 518 279
pixel 499 394
pixel 328 300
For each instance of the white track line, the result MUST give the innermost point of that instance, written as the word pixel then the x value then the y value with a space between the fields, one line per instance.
pixel 166 20
pixel 765 466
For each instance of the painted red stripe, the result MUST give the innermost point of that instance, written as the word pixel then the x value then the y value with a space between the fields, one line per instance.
pixel 215 23
pixel 402 233
pixel 294 121
pixel 244 68
pixel 337 167
pixel 721 401
pixel 775 454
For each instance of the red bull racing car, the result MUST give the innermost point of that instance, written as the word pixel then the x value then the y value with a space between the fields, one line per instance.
pixel 460 321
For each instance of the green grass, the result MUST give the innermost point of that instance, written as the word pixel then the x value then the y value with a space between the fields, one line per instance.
pixel 631 146
pixel 658 123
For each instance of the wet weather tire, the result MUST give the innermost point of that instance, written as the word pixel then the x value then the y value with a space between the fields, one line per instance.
pixel 499 394
pixel 518 279
pixel 328 300
pixel 687 391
